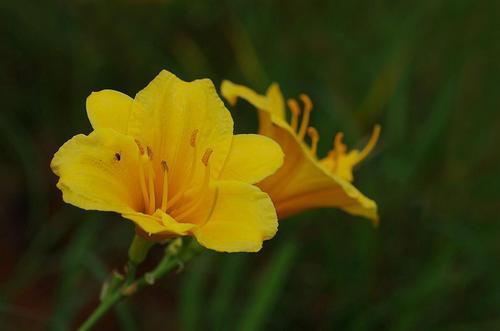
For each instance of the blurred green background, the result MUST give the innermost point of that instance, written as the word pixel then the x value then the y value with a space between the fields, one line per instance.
pixel 428 71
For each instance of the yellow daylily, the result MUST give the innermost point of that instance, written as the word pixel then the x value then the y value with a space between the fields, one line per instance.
pixel 305 181
pixel 168 161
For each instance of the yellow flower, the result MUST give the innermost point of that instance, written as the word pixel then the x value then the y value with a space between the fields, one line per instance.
pixel 305 181
pixel 168 161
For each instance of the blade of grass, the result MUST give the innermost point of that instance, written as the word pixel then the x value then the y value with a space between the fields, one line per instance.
pixel 229 275
pixel 269 287
pixel 191 294
pixel 66 302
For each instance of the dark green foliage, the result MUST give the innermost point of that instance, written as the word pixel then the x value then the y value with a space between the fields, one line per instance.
pixel 428 71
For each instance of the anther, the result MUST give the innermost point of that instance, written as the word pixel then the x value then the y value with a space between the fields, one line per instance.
pixel 139 145
pixel 150 152
pixel 295 109
pixel 206 156
pixel 313 134
pixel 308 106
pixel 194 135
pixel 164 165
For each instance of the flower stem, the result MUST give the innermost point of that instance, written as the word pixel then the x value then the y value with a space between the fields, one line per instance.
pixel 176 255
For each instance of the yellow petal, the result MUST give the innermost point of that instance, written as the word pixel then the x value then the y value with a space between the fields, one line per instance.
pixel 242 218
pixel 99 171
pixel 276 101
pixel 172 110
pixel 159 223
pixel 109 109
pixel 303 183
pixel 272 102
pixel 252 158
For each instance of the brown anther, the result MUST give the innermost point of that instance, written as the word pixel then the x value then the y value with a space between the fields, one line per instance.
pixel 164 165
pixel 139 145
pixel 206 156
pixel 150 152
pixel 194 136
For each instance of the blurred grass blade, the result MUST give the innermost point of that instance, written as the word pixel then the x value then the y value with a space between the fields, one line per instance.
pixel 229 276
pixel 191 294
pixel 68 297
pixel 269 287
pixel 16 138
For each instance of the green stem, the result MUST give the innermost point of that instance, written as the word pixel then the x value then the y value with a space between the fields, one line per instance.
pixel 175 256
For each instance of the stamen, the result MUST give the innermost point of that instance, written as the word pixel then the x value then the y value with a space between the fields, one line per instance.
pixel 339 147
pixel 151 186
pixel 165 186
pixel 295 109
pixel 142 179
pixel 308 106
pixel 150 153
pixel 139 145
pixel 371 143
pixel 194 135
pixel 314 135
pixel 180 192
pixel 190 207
pixel 206 156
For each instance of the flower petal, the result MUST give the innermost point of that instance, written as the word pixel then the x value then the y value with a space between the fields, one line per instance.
pixel 273 102
pixel 99 172
pixel 109 109
pixel 159 223
pixel 303 183
pixel 172 110
pixel 242 218
pixel 252 158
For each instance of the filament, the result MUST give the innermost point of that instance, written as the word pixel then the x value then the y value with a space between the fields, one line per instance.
pixel 308 106
pixel 180 193
pixel 142 180
pixel 313 134
pixel 371 143
pixel 164 196
pixel 151 184
pixel 294 108
pixel 190 207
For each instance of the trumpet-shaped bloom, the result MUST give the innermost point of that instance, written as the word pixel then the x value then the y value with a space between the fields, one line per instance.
pixel 305 181
pixel 168 161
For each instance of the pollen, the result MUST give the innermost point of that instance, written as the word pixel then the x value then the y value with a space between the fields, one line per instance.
pixel 150 152
pixel 194 136
pixel 139 145
pixel 206 156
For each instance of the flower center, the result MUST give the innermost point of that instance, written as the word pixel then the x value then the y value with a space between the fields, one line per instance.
pixel 169 200
pixel 338 157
